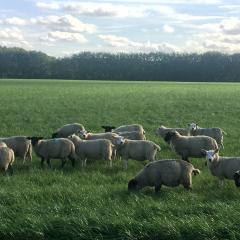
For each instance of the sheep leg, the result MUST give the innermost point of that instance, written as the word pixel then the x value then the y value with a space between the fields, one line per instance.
pixel 125 162
pixel 72 160
pixel 221 182
pixel 42 161
pixel 63 162
pixel 48 162
pixel 10 169
pixel 158 188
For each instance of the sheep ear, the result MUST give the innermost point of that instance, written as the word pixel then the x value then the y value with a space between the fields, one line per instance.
pixel 216 150
pixel 203 152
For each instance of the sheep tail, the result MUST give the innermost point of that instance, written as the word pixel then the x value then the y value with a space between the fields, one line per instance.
pixel 196 171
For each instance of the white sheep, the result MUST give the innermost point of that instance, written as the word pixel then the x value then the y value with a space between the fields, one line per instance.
pixel 216 133
pixel 162 131
pixel 136 149
pixel 21 146
pixel 134 135
pixel 57 148
pixel 68 130
pixel 237 178
pixel 190 146
pixel 6 159
pixel 94 149
pixel 221 167
pixel 168 172
pixel 130 128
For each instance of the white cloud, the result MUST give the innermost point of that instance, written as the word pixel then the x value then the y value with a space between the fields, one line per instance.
pixel 168 29
pixel 65 23
pixel 125 44
pixel 13 21
pixel 64 36
pixel 51 6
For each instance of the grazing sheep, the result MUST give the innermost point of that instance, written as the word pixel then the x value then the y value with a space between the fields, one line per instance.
pixel 68 130
pixel 216 133
pixel 221 167
pixel 57 148
pixel 190 146
pixel 162 131
pixel 130 128
pixel 21 146
pixel 94 149
pixel 136 149
pixel 237 178
pixel 6 159
pixel 108 128
pixel 134 135
pixel 171 173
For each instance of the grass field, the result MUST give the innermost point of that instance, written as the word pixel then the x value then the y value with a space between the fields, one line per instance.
pixel 94 203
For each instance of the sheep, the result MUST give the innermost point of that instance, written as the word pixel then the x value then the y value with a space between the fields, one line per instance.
pixel 108 128
pixel 130 128
pixel 94 149
pixel 162 131
pixel 6 159
pixel 21 146
pixel 221 167
pixel 134 135
pixel 237 178
pixel 168 172
pixel 68 130
pixel 216 133
pixel 93 136
pixel 190 146
pixel 136 149
pixel 57 148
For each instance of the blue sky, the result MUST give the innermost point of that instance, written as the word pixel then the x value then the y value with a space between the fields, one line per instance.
pixel 61 28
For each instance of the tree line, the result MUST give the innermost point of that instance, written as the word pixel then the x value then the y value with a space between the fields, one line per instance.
pixel 157 66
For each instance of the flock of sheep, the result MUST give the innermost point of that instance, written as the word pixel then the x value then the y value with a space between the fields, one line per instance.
pixel 72 142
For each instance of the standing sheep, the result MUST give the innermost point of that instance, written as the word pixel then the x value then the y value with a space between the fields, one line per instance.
pixel 94 149
pixel 222 167
pixel 171 173
pixel 58 148
pixel 162 131
pixel 20 145
pixel 6 159
pixel 216 133
pixel 136 149
pixel 68 130
pixel 190 146
pixel 130 128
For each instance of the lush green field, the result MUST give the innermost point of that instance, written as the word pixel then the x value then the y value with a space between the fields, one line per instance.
pixel 94 203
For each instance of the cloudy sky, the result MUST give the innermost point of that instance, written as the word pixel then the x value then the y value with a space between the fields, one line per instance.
pixel 61 28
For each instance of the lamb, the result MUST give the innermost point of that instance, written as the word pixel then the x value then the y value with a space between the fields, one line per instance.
pixel 222 167
pixel 216 133
pixel 94 149
pixel 162 131
pixel 6 159
pixel 57 148
pixel 20 145
pixel 134 135
pixel 136 149
pixel 130 128
pixel 168 172
pixel 237 178
pixel 190 146
pixel 68 130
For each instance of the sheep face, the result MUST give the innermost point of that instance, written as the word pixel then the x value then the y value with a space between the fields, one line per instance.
pixel 133 185
pixel 192 126
pixel 211 155
pixel 34 140
pixel 108 128
pixel 120 140
pixel 160 131
pixel 169 136
pixel 237 178
pixel 83 134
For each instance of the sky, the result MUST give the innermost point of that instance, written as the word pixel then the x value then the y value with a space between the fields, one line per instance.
pixel 62 28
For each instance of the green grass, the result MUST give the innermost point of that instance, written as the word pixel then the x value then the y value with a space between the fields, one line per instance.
pixel 94 203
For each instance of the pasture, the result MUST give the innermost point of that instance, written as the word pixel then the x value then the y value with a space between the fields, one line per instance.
pixel 93 203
